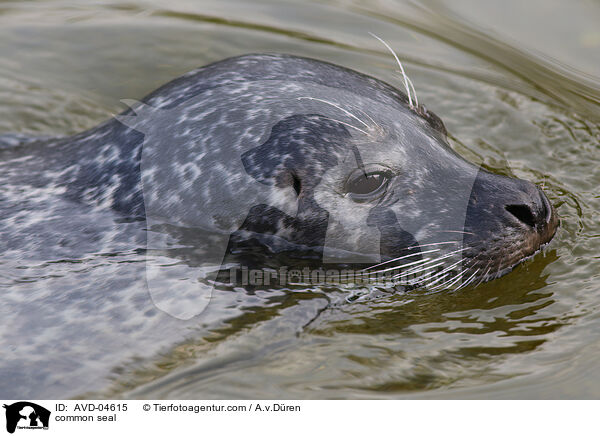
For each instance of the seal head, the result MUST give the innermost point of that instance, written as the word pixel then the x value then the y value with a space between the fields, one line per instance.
pixel 308 159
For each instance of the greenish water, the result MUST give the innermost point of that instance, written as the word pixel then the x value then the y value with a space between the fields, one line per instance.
pixel 518 87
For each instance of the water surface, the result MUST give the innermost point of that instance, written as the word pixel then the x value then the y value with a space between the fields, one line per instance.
pixel 518 87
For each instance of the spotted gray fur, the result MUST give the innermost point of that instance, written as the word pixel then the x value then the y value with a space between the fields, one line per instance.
pixel 253 145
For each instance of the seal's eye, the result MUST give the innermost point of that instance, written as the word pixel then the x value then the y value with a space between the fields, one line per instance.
pixel 364 184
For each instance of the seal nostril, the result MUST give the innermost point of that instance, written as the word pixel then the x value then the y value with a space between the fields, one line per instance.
pixel 546 207
pixel 522 212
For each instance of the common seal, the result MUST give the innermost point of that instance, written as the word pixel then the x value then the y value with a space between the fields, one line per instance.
pixel 303 156
pixel 261 160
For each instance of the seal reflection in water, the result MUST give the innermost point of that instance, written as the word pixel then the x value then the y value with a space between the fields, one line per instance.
pixel 301 160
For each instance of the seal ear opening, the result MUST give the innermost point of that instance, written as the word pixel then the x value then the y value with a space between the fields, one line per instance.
pixel 297 184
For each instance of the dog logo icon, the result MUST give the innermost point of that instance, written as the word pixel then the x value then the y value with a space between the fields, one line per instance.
pixel 26 415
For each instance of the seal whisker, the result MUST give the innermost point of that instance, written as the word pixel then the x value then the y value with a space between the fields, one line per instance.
pixel 346 124
pixel 455 252
pixel 399 64
pixel 418 271
pixel 432 243
pixel 445 272
pixel 449 268
pixel 448 285
pixel 428 285
pixel 437 280
pixel 401 257
pixel 412 247
pixel 437 259
pixel 369 117
pixel 350 114
pixel 413 90
pixel 455 231
pixel 414 254
pixel 379 271
pixel 481 279
pixel 472 262
pixel 456 279
pixel 465 283
pixel 413 267
pixel 487 272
